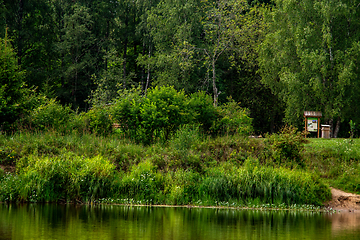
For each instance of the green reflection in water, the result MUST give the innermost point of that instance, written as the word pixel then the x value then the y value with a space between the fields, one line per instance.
pixel 35 221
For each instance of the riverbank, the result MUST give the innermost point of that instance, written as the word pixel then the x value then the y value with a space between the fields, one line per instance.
pixel 344 202
pixel 51 167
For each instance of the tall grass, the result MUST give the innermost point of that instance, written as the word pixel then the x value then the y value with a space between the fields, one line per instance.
pixel 82 168
pixel 66 177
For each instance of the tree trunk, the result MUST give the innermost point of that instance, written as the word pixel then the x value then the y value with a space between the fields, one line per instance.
pixel 143 70
pixel 125 49
pixel 215 90
pixel 331 123
pixel 148 72
pixel 337 128
pixel 20 39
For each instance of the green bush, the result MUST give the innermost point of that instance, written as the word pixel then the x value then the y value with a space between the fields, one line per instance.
pixel 233 120
pixel 154 117
pixel 98 120
pixel 203 110
pixel 125 111
pixel 162 112
pixel 50 115
pixel 159 114
pixel 285 147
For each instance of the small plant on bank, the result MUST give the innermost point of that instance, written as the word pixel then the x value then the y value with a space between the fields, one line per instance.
pixel 285 147
pixel 184 139
pixel 232 120
pixel 352 128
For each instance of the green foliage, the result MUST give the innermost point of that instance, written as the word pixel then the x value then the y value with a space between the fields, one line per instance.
pixel 12 86
pixel 142 183
pixel 126 112
pixel 163 111
pixel 68 177
pixel 203 110
pixel 49 115
pixel 98 120
pixel 233 119
pixel 9 188
pixel 352 128
pixel 185 138
pixel 158 115
pixel 2 173
pixel 8 155
pixel 308 59
pixel 336 161
pixel 54 167
pixel 286 146
pixel 182 187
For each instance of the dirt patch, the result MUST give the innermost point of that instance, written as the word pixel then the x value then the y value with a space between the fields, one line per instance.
pixel 6 168
pixel 343 201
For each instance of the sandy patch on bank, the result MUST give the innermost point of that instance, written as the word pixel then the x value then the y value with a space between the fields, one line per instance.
pixel 343 201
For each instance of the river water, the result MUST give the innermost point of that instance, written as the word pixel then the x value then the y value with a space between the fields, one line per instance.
pixel 52 221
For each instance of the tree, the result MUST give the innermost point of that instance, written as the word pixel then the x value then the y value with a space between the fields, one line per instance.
pixel 175 29
pixel 310 58
pixel 12 85
pixel 76 48
pixel 222 22
pixel 32 29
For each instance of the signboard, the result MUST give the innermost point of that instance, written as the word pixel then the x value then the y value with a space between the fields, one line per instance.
pixel 312 124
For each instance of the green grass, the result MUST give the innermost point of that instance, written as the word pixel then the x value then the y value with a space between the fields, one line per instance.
pixel 337 161
pixel 202 170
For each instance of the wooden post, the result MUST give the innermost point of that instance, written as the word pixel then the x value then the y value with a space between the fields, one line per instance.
pixel 305 126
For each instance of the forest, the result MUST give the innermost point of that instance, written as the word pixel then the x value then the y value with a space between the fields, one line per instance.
pixel 274 58
pixel 154 101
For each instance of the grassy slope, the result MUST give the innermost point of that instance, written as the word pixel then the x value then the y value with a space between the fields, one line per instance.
pixel 335 160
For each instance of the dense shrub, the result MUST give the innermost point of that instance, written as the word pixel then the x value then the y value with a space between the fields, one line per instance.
pixel 50 115
pixel 285 146
pixel 163 111
pixel 232 119
pixel 126 111
pixel 154 117
pixel 159 114
pixel 203 110
pixel 98 120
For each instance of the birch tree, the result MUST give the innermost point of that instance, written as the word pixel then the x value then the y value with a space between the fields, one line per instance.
pixel 310 58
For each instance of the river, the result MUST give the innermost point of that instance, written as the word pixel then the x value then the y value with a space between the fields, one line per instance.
pixel 54 221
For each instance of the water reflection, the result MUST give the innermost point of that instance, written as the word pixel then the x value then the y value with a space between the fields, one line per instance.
pixel 34 221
